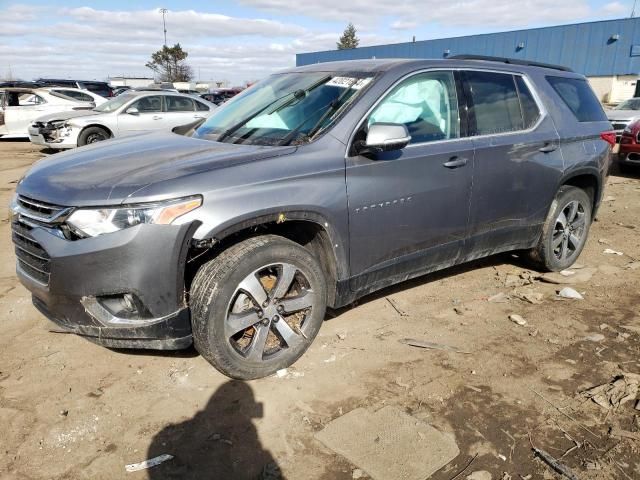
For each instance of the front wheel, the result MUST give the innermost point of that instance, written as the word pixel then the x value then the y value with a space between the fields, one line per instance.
pixel 565 230
pixel 92 135
pixel 257 307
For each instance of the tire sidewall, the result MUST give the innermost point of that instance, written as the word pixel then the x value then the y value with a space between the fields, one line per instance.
pixel 84 135
pixel 226 358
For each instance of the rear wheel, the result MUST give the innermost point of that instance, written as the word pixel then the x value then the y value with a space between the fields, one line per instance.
pixel 92 135
pixel 565 230
pixel 257 307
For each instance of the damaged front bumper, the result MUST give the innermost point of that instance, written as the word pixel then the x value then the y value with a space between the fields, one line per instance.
pixel 52 135
pixel 121 290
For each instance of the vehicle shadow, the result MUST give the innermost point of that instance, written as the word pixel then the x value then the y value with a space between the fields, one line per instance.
pixel 629 172
pixel 219 442
pixel 513 258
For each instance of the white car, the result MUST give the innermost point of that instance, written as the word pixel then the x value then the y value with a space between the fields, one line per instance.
pixel 80 95
pixel 19 107
pixel 129 113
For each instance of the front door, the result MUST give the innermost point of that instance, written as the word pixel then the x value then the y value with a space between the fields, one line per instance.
pixel 408 209
pixel 149 116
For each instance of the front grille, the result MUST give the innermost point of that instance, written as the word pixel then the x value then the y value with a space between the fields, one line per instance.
pixel 33 260
pixel 41 211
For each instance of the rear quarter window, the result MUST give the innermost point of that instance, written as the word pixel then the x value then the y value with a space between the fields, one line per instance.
pixel 578 96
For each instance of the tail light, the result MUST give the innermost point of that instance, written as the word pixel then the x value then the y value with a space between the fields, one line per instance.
pixel 609 137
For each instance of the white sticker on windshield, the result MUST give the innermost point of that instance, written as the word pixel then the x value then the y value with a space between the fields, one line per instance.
pixel 346 82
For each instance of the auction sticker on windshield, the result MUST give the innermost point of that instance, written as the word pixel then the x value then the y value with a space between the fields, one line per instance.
pixel 348 82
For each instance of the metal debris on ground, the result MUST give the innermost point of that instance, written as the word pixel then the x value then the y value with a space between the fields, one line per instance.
pixel 609 251
pixel 555 464
pixel 615 393
pixel 395 306
pixel 152 462
pixel 568 292
pixel 431 345
pixel 517 319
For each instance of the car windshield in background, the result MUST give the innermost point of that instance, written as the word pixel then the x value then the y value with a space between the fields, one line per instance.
pixel 115 104
pixel 631 104
pixel 284 109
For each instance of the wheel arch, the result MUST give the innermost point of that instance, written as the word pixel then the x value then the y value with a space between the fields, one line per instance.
pixel 98 125
pixel 307 228
pixel 587 179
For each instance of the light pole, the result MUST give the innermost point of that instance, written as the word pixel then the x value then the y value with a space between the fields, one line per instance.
pixel 164 25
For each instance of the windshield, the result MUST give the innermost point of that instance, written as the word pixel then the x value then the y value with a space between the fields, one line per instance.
pixel 283 109
pixel 631 104
pixel 115 104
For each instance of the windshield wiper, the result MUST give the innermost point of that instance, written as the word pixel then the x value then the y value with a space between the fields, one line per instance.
pixel 297 95
pixel 333 106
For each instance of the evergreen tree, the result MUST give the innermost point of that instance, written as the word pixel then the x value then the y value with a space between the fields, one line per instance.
pixel 348 39
pixel 169 64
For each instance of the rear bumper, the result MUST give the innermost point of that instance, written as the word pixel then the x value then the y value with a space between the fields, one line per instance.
pixel 629 157
pixel 82 285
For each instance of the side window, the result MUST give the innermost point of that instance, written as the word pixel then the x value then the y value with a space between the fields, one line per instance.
pixel 179 104
pixel 495 103
pixel 578 96
pixel 426 103
pixel 530 110
pixel 201 107
pixel 83 97
pixel 27 99
pixel 150 104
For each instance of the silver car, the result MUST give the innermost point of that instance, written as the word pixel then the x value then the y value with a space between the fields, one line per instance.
pixel 129 113
pixel 623 115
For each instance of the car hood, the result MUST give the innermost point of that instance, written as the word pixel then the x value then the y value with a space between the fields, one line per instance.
pixel 108 172
pixel 622 114
pixel 58 116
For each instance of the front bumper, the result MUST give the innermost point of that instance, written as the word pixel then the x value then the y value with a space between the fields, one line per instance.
pixel 81 285
pixel 50 137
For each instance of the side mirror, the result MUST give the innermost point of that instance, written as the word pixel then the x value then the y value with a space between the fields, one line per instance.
pixel 132 111
pixel 385 137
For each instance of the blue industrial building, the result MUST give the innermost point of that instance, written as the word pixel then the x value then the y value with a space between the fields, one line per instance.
pixel 608 51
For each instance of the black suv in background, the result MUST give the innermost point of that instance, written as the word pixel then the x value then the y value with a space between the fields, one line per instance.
pixel 312 188
pixel 101 88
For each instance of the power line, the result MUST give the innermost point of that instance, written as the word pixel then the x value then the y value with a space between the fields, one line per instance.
pixel 164 25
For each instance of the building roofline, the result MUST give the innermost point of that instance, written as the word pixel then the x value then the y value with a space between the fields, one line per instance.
pixel 482 34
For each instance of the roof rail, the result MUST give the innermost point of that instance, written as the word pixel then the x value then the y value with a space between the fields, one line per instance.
pixel 512 61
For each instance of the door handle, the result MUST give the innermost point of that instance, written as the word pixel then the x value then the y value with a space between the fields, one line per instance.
pixel 157 117
pixel 198 116
pixel 548 147
pixel 455 162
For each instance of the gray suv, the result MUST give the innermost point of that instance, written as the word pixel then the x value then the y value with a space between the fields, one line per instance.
pixel 308 190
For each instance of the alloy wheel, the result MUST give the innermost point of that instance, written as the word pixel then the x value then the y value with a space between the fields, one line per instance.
pixel 268 312
pixel 569 230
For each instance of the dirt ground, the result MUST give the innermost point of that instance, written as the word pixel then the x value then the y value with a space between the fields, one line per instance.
pixel 72 410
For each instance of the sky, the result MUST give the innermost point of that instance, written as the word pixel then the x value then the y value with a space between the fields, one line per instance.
pixel 246 40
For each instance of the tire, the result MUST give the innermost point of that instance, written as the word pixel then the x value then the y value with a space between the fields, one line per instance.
pixel 225 297
pixel 560 246
pixel 92 135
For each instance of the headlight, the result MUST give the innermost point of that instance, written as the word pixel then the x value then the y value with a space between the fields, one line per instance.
pixel 87 222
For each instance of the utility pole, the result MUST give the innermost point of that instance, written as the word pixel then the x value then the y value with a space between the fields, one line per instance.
pixel 164 11
pixel 633 10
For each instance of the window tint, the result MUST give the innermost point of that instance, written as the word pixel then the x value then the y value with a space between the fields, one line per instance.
pixel 201 107
pixel 495 103
pixel 83 97
pixel 579 97
pixel 530 111
pixel 179 104
pixel 426 103
pixel 148 104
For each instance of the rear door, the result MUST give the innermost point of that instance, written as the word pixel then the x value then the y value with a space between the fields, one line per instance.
pixel 408 209
pixel 517 155
pixel 180 111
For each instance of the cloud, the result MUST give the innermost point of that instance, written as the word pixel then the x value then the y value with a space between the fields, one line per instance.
pixel 494 13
